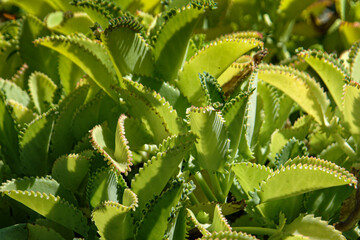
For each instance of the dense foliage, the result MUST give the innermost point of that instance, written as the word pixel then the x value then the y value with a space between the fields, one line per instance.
pixel 179 119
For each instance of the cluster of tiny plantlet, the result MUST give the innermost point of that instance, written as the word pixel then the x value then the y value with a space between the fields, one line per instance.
pixel 174 119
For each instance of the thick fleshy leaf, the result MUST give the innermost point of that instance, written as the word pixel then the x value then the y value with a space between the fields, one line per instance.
pixel 64 23
pixel 71 170
pixel 114 220
pixel 44 196
pixel 235 117
pixel 351 111
pixel 14 92
pixel 327 202
pixel 127 48
pixel 299 86
pixel 214 59
pixel 35 144
pixel 62 140
pixel 95 11
pixel 69 74
pixel 104 185
pixel 22 115
pixel 42 232
pixel 140 108
pixel 9 136
pixel 250 175
pixel 114 147
pixel 172 40
pixel 228 236
pixel 213 92
pixel 276 107
pixel 290 9
pixel 156 102
pixel 89 55
pixel 17 231
pixel 213 143
pixel 350 32
pixel 41 7
pixel 155 221
pixel 332 73
pixel 219 223
pixel 38 58
pixel 281 137
pixel 292 178
pixel 42 91
pixel 354 62
pixel 10 59
pixel 313 228
pixel 153 177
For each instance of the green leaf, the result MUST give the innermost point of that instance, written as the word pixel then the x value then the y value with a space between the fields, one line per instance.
pixel 161 106
pixel 350 32
pixel 128 49
pixel 77 22
pixel 327 202
pixel 173 39
pixel 250 175
pixel 290 9
pixel 213 143
pixel 144 5
pixel 140 108
pixel 42 233
pixel 69 74
pixel 312 228
pixel 10 59
pixel 34 144
pixel 104 185
pixel 114 220
pixel 95 11
pixel 235 117
pixel 14 92
pixel 22 115
pixel 9 137
pixel 38 58
pixel 62 140
pixel 39 8
pixel 222 54
pixel 89 55
pixel 281 137
pixel 154 224
pixel 276 108
pixel 354 62
pixel 290 207
pixel 332 73
pixel 351 110
pixel 300 87
pixel 45 196
pixel 293 148
pixel 114 147
pixel 293 178
pixel 228 236
pixel 333 153
pixel 14 232
pixel 179 232
pixel 219 222
pixel 155 174
pixel 71 170
pixel 213 92
pixel 42 91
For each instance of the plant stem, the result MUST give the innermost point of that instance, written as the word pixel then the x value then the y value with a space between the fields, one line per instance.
pixel 345 146
pixel 205 187
pixel 215 183
pixel 256 230
pixel 193 199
